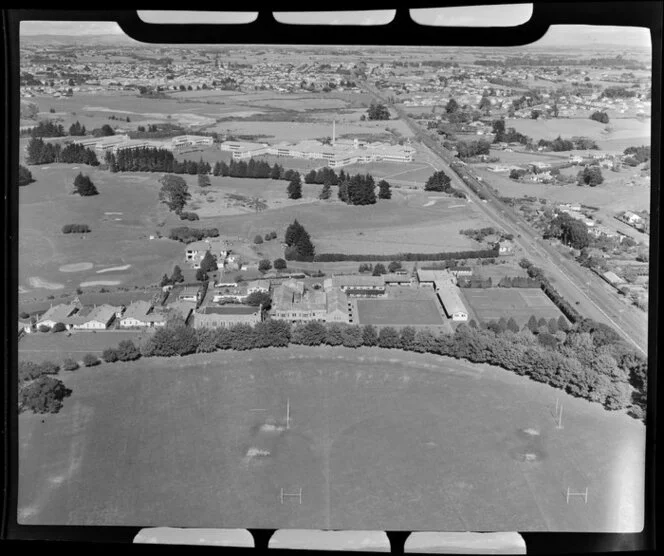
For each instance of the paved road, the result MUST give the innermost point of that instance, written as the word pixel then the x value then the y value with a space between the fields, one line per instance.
pixel 582 288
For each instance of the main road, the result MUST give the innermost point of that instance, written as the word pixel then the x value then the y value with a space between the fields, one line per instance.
pixel 581 287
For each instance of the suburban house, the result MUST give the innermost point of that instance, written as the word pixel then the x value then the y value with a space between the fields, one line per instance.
pixel 505 247
pixel 230 293
pixel 141 314
pixel 57 313
pixel 195 251
pixel 226 316
pixel 99 318
pixel 631 218
pixel 258 286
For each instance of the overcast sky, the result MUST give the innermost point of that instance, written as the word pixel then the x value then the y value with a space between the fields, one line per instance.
pixel 505 15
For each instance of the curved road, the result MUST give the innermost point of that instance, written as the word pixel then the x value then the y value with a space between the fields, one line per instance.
pixel 581 287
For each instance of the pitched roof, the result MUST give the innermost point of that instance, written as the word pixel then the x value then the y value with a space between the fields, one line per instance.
pixel 58 313
pixel 230 310
pixel 137 310
pixel 102 313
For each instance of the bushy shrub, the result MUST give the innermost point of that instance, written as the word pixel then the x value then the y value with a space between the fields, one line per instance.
pixel 91 360
pixel 43 395
pixel 110 355
pixel 58 327
pixel 44 328
pixel 69 365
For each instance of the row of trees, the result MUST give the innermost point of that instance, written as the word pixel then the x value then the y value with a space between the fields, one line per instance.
pixel 145 159
pixel 585 361
pixel 479 254
pixel 41 152
pixel 185 234
pixel 77 129
pixel 473 148
pixel 251 169
pixel 46 128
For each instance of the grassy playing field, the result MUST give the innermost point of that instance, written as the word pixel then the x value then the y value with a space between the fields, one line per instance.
pixel 377 439
pixel 520 303
pixel 56 347
pixel 398 312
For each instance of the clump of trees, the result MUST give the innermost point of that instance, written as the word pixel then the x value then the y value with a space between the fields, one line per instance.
pixel 75 229
pixel 378 111
pixel 324 176
pixel 359 189
pixel 38 391
pixel 501 135
pixel 639 154
pixel 40 152
pixel 569 230
pixel 601 117
pixel 473 148
pixel 384 190
pixel 440 181
pixel 298 243
pixel 191 216
pixel 590 175
pixel 24 176
pixel 251 169
pixel 84 186
pixel 76 129
pixel 47 128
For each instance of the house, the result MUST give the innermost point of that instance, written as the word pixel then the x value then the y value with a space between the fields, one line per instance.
pixel 57 313
pixel 190 293
pixel 258 286
pixel 226 316
pixel 195 251
pixel 505 247
pixel 632 218
pixel 337 306
pixel 99 318
pixel 613 279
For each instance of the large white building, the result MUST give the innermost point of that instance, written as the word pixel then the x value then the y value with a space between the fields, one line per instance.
pixel 445 286
pixel 336 154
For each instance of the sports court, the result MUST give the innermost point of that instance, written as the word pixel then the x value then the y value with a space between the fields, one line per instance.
pixel 521 303
pixel 398 312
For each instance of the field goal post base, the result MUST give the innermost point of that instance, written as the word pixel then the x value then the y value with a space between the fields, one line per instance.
pixel 584 494
pixel 297 495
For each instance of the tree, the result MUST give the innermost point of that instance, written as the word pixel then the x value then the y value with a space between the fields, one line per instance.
pixel 601 117
pixel 177 275
pixel 384 191
pixel 69 365
pixel 326 192
pixel 84 186
pixel 295 187
pixel 439 181
pixel 512 325
pixel 369 335
pixel 127 351
pixel 107 130
pixel 110 355
pixel 590 175
pixel 43 395
pixel 388 337
pixel 208 264
pixel 59 327
pixel 452 106
pixel 204 180
pixel 279 264
pixel 394 266
pixel 379 269
pixel 24 175
pixel 259 298
pixel 201 275
pixel 264 265
pixel 258 239
pixel 378 112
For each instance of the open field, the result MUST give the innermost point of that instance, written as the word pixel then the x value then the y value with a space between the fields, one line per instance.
pixel 121 238
pixel 614 194
pixel 521 303
pixel 398 312
pixel 200 441
pixel 55 347
pixel 625 132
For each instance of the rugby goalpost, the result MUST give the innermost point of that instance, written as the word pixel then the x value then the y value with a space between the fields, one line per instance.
pixel 559 414
pixel 297 495
pixel 584 494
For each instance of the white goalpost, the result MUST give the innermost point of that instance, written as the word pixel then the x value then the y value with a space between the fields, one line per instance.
pixel 297 495
pixel 288 414
pixel 559 414
pixel 584 494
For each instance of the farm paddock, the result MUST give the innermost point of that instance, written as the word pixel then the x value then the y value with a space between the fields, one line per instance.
pixel 490 304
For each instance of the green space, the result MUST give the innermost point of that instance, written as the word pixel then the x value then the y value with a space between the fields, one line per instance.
pixel 490 304
pixel 200 441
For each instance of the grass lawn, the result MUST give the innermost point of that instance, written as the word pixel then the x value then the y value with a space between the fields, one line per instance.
pixel 493 303
pixel 56 347
pixel 378 439
pixel 385 312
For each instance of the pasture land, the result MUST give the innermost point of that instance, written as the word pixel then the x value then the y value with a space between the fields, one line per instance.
pixel 56 347
pixel 398 312
pixel 625 132
pixel 521 303
pixel 377 439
